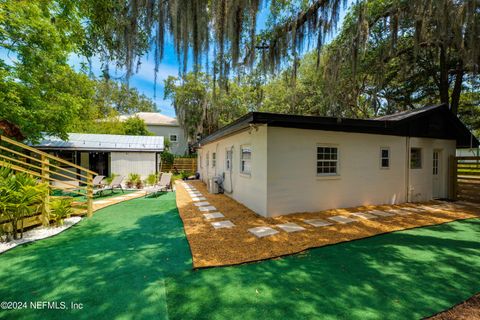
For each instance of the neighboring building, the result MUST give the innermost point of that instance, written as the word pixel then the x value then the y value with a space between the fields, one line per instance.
pixel 278 164
pixel 108 153
pixel 167 127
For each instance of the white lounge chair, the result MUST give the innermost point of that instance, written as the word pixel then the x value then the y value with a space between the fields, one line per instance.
pixel 115 184
pixel 164 183
pixel 97 181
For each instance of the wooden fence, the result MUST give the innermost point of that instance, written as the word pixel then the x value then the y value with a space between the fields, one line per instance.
pixel 468 178
pixel 60 175
pixel 181 164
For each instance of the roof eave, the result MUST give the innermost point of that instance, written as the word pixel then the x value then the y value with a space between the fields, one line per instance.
pixel 237 125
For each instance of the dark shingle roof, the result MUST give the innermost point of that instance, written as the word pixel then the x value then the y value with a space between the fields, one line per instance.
pixel 429 122
pixel 406 114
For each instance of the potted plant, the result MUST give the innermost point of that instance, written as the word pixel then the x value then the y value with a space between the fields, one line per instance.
pixel 132 180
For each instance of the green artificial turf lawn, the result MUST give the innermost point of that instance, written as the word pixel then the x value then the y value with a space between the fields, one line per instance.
pixel 132 260
pixel 105 195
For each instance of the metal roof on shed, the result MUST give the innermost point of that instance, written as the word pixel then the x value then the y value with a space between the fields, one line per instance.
pixel 103 142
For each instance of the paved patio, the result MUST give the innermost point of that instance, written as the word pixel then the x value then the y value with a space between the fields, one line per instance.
pixel 102 203
pixel 221 231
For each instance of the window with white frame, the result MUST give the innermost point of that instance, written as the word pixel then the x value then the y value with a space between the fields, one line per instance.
pixel 327 161
pixel 416 158
pixel 246 159
pixel 214 159
pixel 173 138
pixel 228 160
pixel 435 162
pixel 207 159
pixel 384 158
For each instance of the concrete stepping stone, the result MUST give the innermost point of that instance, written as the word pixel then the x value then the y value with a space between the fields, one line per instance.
pixel 439 207
pixel 364 215
pixel 209 208
pixel 222 224
pixel 414 209
pixel 318 222
pixel 214 215
pixel 466 203
pixel 261 232
pixel 202 204
pixel 381 213
pixel 342 219
pixel 432 208
pixel 290 227
pixel 399 212
pixel 198 199
pixel 195 195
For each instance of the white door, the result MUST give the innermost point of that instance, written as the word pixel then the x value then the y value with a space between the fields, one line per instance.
pixel 437 174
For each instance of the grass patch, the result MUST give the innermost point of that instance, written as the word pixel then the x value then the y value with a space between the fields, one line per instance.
pixel 132 260
pixel 106 194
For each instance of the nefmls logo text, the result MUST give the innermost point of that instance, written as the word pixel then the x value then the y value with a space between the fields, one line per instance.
pixel 53 305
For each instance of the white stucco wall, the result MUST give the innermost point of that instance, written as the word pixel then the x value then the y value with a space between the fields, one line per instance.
pixel 293 184
pixel 284 162
pixel 251 190
pixel 421 180
pixel 124 163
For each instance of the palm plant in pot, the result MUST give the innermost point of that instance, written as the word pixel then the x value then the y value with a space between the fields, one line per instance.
pixel 134 179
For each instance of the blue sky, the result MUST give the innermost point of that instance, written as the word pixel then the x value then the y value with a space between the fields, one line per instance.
pixel 143 80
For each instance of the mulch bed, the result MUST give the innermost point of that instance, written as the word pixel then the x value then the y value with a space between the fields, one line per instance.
pixel 223 247
pixel 467 310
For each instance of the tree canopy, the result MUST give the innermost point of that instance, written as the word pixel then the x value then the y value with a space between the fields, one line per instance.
pixel 39 91
pixel 389 55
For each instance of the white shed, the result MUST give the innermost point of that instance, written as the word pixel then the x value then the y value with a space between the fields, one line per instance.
pixel 279 164
pixel 107 153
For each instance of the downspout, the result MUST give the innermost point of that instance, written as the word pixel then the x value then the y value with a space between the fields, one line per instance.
pixel 230 174
pixel 216 160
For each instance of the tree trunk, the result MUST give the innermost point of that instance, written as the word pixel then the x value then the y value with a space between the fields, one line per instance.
pixel 443 81
pixel 457 88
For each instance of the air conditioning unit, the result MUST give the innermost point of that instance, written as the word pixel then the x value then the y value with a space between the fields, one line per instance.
pixel 213 185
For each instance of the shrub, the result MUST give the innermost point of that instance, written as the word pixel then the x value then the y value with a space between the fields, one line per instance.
pixel 110 178
pixel 20 196
pixel 152 179
pixel 167 158
pixel 185 174
pixel 61 209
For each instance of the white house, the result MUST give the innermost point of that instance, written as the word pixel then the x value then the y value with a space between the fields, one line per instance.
pixel 108 153
pixel 167 127
pixel 278 164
